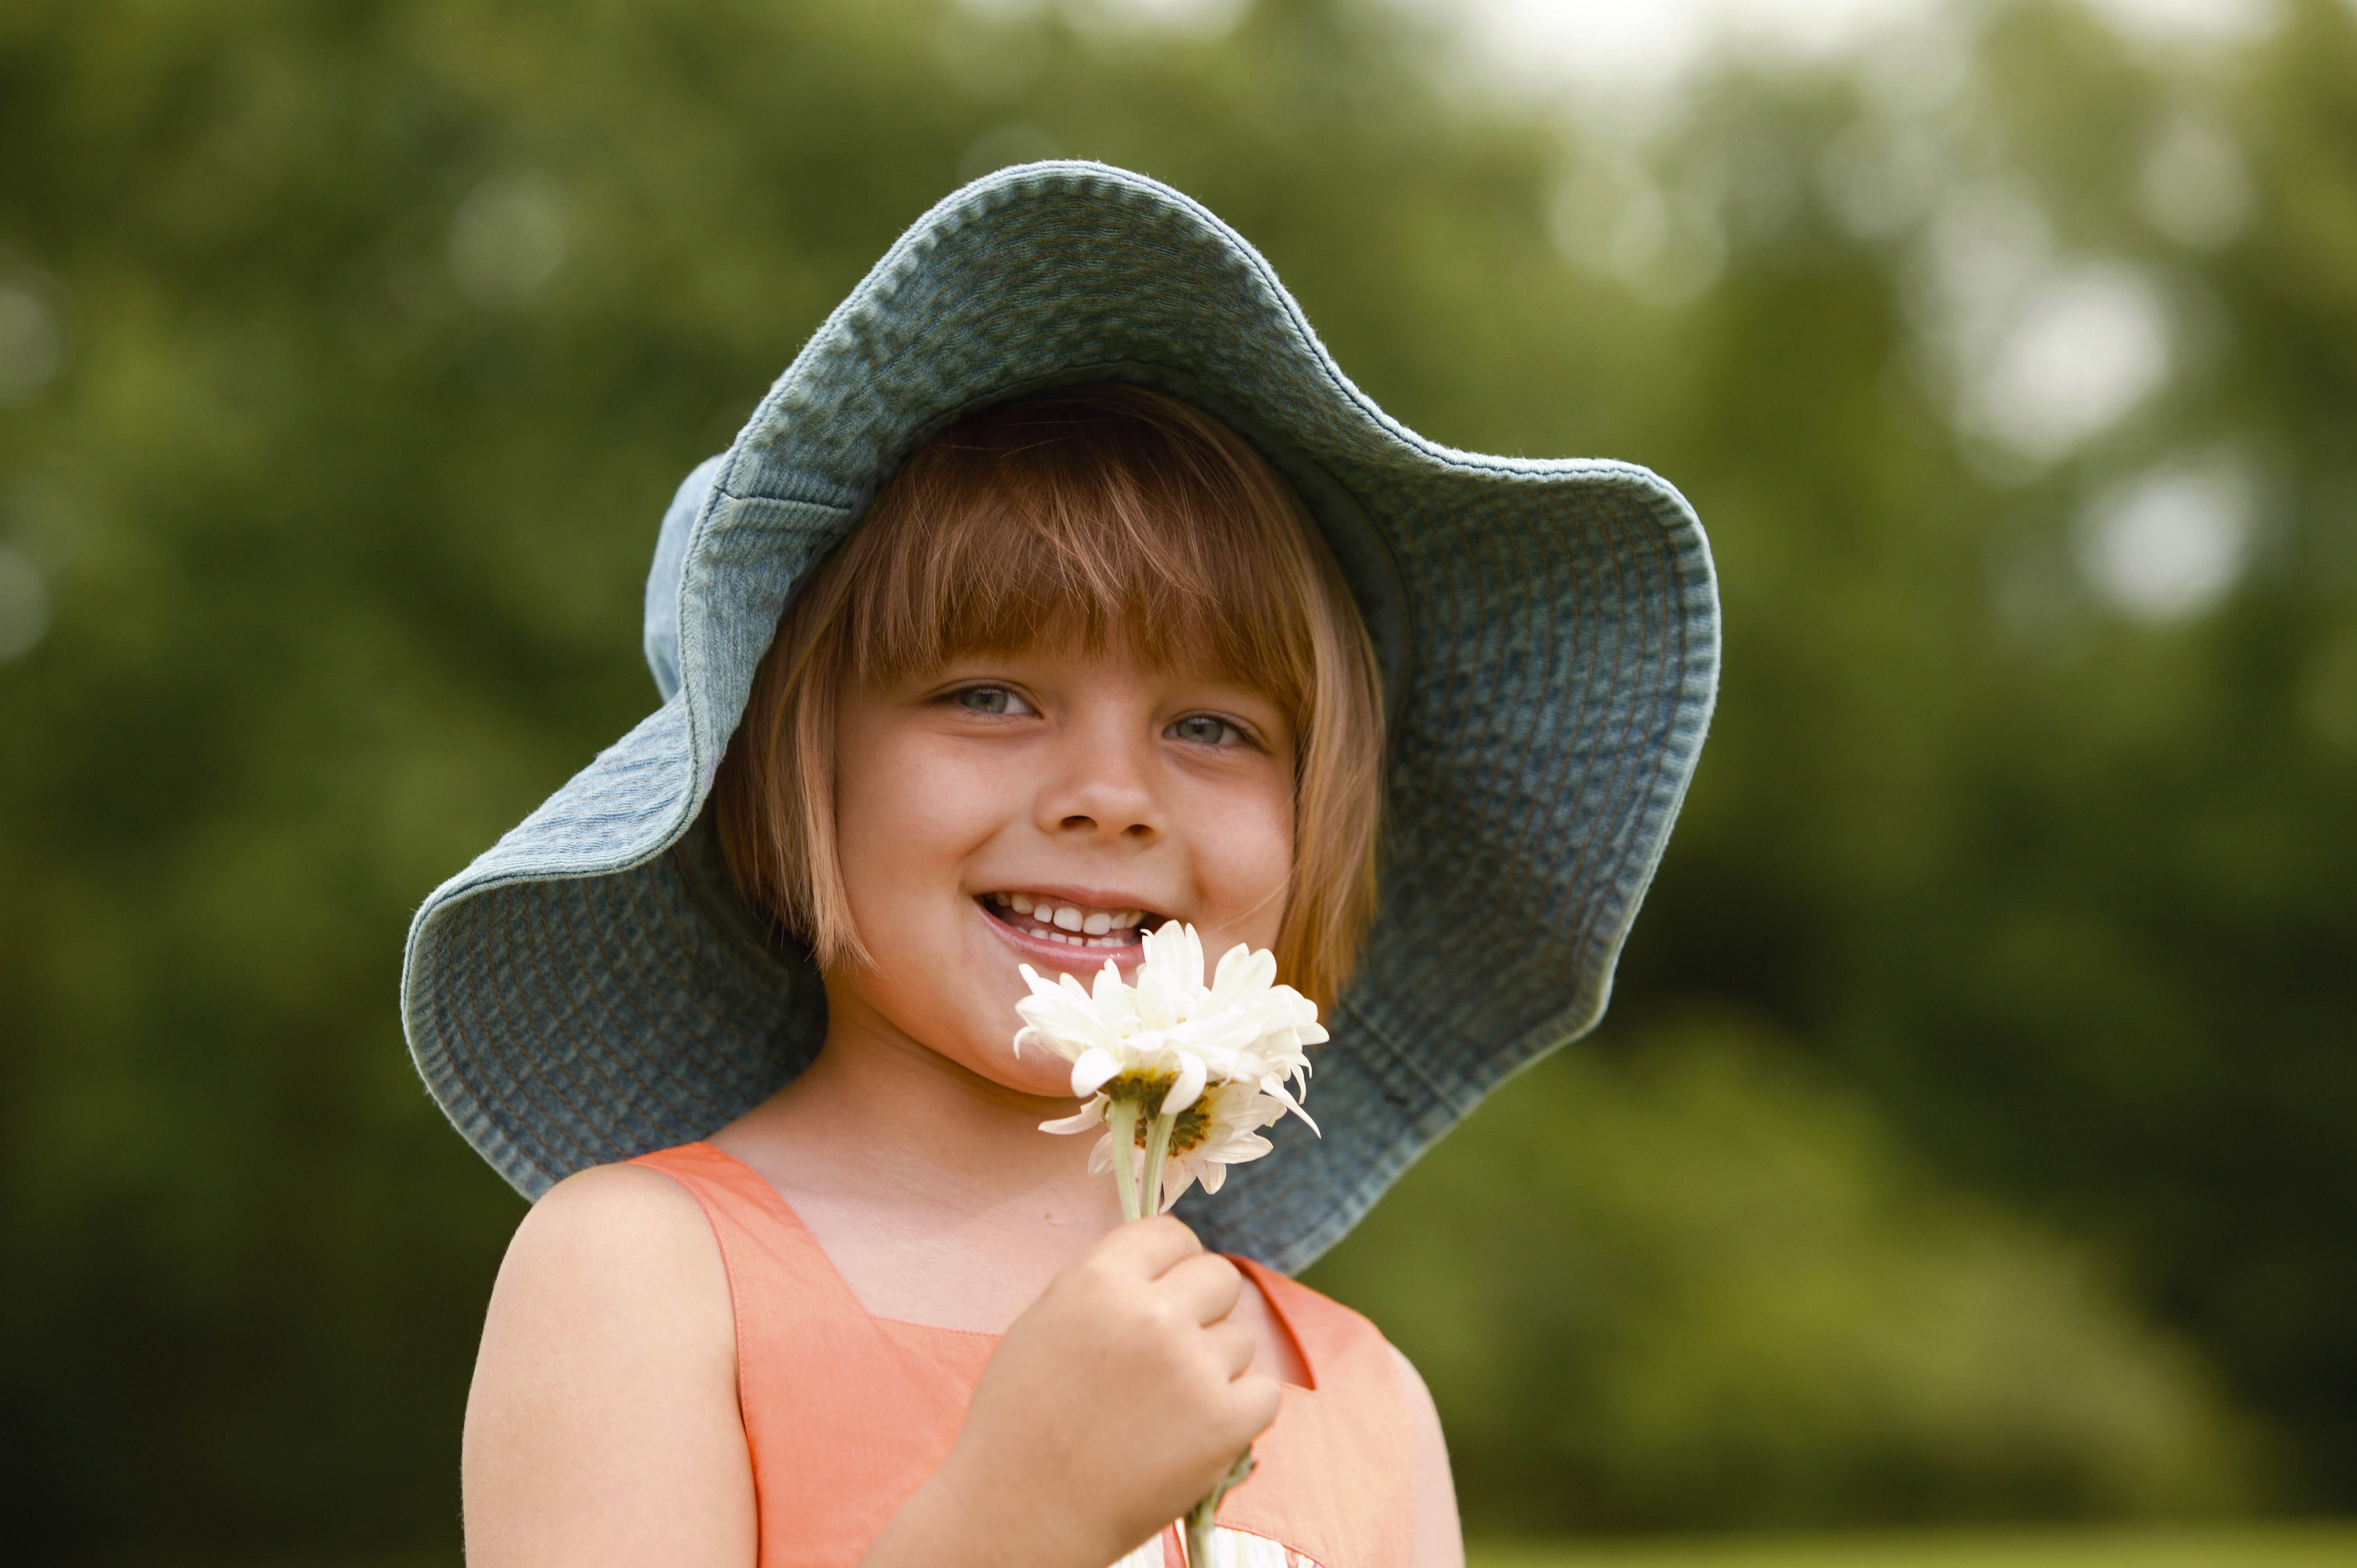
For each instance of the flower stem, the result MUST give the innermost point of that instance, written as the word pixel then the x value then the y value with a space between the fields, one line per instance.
pixel 1121 1120
pixel 1158 1149
pixel 1199 1517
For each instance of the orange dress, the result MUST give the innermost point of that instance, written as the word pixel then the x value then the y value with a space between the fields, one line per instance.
pixel 847 1414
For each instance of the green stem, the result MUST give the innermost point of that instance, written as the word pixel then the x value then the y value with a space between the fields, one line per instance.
pixel 1158 1149
pixel 1121 1119
pixel 1199 1517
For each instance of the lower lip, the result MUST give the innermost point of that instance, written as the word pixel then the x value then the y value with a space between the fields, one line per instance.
pixel 1063 955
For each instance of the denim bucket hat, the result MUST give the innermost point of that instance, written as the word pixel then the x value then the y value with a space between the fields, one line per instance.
pixel 594 987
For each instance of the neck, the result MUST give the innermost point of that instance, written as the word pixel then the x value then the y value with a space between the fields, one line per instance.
pixel 930 1187
pixel 882 1118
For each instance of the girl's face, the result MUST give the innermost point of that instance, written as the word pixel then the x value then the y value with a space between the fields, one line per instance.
pixel 1046 808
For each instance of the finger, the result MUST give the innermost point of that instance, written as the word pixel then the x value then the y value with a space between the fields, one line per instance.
pixel 1255 1398
pixel 1150 1247
pixel 1232 1346
pixel 1206 1287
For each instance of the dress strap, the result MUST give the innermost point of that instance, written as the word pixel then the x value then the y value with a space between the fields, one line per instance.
pixel 765 1243
pixel 846 1414
pixel 1335 1481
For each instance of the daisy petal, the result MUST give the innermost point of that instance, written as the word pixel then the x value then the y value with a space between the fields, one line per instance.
pixel 1080 1121
pixel 1242 974
pixel 1189 1087
pixel 1275 1089
pixel 1095 1068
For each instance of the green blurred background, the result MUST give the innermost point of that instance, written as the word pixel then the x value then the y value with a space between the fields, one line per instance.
pixel 1974 1141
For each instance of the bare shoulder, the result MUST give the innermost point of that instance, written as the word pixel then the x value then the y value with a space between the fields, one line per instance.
pixel 615 1268
pixel 603 1419
pixel 612 1225
pixel 1439 1540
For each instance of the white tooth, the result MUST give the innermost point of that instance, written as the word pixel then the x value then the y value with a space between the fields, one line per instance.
pixel 999 899
pixel 1130 918
pixel 1043 913
pixel 1098 924
pixel 1021 901
pixel 1067 918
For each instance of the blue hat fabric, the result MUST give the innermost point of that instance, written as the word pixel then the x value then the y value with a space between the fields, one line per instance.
pixel 593 986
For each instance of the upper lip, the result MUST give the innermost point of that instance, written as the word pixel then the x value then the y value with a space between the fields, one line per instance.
pixel 1084 897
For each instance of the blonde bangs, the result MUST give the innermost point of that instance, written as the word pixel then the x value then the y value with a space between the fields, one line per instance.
pixel 1124 519
pixel 1111 518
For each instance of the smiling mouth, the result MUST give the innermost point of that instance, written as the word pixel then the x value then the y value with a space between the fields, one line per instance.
pixel 1072 925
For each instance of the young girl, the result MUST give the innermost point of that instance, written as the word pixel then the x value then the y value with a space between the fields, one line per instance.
pixel 1062 587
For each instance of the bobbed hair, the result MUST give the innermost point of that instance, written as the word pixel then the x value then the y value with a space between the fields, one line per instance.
pixel 1108 517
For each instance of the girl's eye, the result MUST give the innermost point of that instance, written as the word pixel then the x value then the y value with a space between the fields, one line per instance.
pixel 1208 729
pixel 993 700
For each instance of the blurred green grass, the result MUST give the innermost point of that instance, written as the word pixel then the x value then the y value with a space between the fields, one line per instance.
pixel 2239 1546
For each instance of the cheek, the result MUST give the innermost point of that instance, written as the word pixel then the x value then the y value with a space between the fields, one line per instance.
pixel 906 818
pixel 1246 860
pixel 911 813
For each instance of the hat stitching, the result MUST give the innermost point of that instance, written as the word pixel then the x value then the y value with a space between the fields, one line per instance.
pixel 661 1061
pixel 1616 787
pixel 603 1119
pixel 1662 794
pixel 683 997
pixel 1509 669
pixel 769 1060
pixel 518 1126
pixel 442 1083
pixel 713 992
pixel 1546 661
pixel 1477 549
pixel 1364 1025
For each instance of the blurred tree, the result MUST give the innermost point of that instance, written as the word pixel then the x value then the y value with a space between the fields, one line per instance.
pixel 349 352
pixel 1706 1288
pixel 2026 453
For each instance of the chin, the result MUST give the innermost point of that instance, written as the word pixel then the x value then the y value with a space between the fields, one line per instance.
pixel 1035 1072
pixel 990 1054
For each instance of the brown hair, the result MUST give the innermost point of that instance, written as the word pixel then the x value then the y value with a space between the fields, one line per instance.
pixel 1081 515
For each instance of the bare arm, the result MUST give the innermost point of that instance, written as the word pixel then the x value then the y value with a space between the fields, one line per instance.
pixel 602 1427
pixel 1439 1540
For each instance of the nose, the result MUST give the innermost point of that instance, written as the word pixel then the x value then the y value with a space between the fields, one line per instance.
pixel 1101 786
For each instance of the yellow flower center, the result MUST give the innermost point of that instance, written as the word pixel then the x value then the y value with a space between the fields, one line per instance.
pixel 1146 1091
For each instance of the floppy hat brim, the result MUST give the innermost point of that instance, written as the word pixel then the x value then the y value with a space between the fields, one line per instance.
pixel 592 987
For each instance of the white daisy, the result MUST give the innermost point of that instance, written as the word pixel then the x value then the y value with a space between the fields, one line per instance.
pixel 1220 1129
pixel 1170 1031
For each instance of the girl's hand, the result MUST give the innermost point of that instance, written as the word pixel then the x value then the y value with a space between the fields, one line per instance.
pixel 1111 1407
